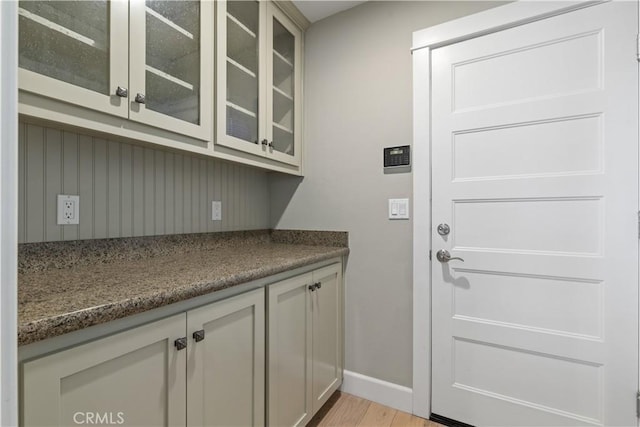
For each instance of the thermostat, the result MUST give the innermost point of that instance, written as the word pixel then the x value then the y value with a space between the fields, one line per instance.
pixel 397 159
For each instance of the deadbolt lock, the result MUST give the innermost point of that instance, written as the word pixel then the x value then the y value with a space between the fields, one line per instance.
pixel 443 229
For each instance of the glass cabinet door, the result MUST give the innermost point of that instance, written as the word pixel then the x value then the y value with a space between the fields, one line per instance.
pixel 240 74
pixel 168 88
pixel 259 80
pixel 74 51
pixel 284 89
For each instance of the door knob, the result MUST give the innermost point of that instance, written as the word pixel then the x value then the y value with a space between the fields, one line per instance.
pixel 444 256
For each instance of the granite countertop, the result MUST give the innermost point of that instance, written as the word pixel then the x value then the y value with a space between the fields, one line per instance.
pixel 67 286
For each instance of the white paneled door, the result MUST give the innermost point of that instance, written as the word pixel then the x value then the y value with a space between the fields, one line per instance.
pixel 535 170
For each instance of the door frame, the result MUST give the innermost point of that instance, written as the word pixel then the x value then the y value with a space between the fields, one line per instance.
pixel 487 22
pixel 9 213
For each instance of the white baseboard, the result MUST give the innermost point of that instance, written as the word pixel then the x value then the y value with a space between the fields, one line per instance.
pixel 382 392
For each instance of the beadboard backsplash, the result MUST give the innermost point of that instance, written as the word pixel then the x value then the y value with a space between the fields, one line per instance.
pixel 127 190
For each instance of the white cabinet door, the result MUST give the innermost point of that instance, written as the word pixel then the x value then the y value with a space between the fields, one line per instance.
pixel 326 308
pixel 225 369
pixel 132 378
pixel 75 52
pixel 289 354
pixel 259 81
pixel 171 65
pixel 240 75
pixel 284 87
pixel 304 345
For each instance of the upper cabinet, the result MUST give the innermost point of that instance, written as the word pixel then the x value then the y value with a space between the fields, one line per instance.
pixel 259 76
pixel 69 51
pixel 146 70
pixel 143 60
pixel 171 65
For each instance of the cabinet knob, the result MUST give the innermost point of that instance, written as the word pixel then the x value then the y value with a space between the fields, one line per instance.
pixel 198 335
pixel 140 98
pixel 315 286
pixel 270 144
pixel 180 343
pixel 122 92
pixel 265 142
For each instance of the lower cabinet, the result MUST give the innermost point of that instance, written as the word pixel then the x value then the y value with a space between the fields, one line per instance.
pixel 143 376
pixel 133 378
pixel 225 369
pixel 202 367
pixel 304 329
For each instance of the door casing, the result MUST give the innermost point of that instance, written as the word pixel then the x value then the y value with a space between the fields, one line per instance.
pixel 487 22
pixel 9 213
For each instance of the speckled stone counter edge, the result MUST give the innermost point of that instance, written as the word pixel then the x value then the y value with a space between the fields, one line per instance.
pixel 311 238
pixel 42 256
pixel 47 255
pixel 58 325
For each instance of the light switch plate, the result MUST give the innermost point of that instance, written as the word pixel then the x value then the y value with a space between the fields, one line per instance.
pixel 68 209
pixel 216 210
pixel 398 208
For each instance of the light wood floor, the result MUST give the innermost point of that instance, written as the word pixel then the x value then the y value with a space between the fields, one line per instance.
pixel 346 410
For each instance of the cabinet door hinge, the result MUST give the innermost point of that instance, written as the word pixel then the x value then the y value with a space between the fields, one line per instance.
pixel 638 404
pixel 638 224
pixel 430 249
pixel 638 47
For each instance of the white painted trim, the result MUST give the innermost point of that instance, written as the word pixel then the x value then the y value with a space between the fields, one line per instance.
pixel 424 41
pixel 9 213
pixel 421 233
pixel 492 20
pixel 375 390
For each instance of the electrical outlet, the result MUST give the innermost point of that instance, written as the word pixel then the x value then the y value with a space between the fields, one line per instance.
pixel 68 209
pixel 216 210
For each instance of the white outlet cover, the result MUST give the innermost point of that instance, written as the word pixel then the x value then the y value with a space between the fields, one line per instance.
pixel 68 209
pixel 216 210
pixel 398 208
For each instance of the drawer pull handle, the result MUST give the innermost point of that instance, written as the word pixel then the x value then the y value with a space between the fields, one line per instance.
pixel 198 335
pixel 315 286
pixel 180 343
pixel 122 92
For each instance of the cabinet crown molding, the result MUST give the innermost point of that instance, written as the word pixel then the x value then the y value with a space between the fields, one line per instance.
pixel 293 13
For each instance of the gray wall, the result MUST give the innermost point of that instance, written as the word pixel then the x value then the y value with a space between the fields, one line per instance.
pixel 358 100
pixel 127 190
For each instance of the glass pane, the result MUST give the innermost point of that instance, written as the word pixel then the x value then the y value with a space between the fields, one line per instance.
pixel 242 125
pixel 173 58
pixel 66 40
pixel 283 88
pixel 242 69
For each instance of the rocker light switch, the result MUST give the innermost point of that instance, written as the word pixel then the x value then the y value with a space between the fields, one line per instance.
pixel 398 208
